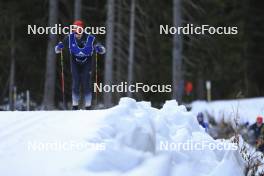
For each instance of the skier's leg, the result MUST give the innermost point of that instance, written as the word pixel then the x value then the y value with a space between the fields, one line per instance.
pixel 75 70
pixel 86 83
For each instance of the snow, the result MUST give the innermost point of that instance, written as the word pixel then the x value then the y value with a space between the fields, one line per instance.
pixel 131 139
pixel 227 110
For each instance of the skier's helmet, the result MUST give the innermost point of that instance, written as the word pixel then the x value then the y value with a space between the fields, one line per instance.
pixel 78 26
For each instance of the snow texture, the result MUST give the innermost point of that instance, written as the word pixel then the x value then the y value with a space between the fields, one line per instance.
pixel 129 137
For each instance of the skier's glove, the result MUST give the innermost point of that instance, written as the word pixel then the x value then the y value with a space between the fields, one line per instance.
pixel 99 49
pixel 60 45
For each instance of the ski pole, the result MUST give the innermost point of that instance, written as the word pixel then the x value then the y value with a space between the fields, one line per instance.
pixel 96 78
pixel 62 80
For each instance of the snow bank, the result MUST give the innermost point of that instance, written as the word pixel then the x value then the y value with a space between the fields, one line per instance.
pixel 138 140
pixel 137 144
pixel 246 109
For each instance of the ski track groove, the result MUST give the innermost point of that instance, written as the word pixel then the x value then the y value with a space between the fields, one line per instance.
pixel 22 127
pixel 22 119
pixel 17 128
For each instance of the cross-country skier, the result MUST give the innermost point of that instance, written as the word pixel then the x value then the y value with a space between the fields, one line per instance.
pixel 81 47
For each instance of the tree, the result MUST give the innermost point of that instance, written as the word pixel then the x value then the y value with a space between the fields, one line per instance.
pixel 131 46
pixel 9 15
pixel 119 52
pixel 12 67
pixel 177 75
pixel 49 89
pixel 108 75
pixel 77 9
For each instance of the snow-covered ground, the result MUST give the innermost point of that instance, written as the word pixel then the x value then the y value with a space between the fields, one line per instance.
pixel 246 109
pixel 131 139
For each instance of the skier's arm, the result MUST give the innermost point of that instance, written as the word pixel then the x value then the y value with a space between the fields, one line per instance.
pixel 61 45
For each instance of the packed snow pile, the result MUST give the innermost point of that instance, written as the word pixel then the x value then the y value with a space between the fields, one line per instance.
pixel 227 110
pixel 131 139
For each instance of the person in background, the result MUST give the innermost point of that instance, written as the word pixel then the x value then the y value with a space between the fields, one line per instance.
pixel 258 132
pixel 200 118
pixel 256 127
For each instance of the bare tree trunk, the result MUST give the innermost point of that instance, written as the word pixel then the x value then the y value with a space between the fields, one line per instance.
pixel 119 41
pixel 50 76
pixel 108 75
pixel 177 75
pixel 77 9
pixel 118 57
pixel 131 46
pixel 12 68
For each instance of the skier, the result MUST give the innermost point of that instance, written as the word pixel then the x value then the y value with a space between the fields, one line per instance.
pixel 81 47
pixel 200 118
